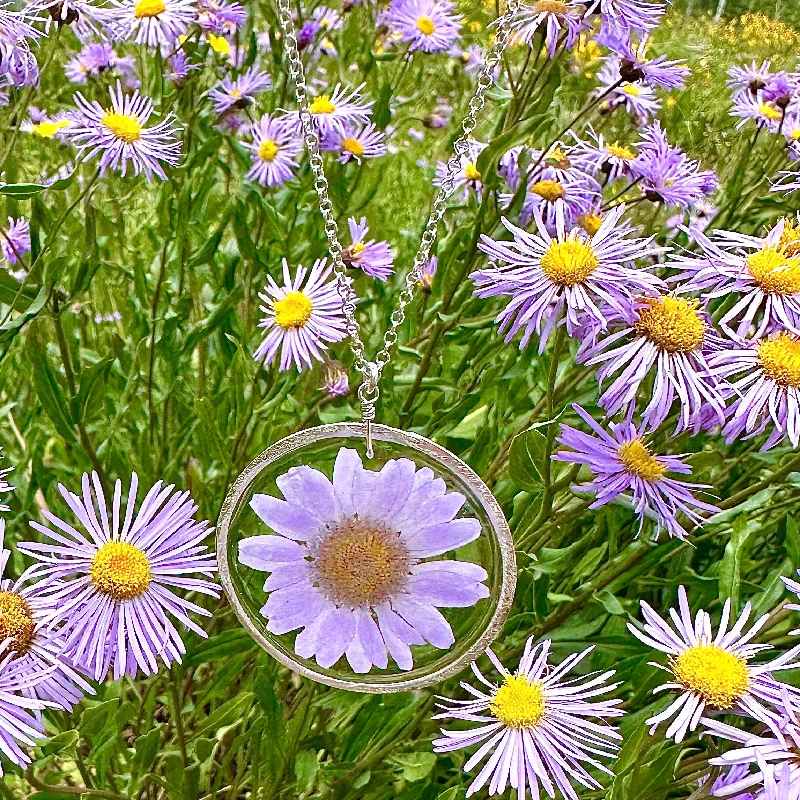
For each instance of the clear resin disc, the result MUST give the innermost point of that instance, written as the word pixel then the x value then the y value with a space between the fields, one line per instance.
pixel 408 550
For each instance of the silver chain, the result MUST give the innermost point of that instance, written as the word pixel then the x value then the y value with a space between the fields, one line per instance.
pixel 371 370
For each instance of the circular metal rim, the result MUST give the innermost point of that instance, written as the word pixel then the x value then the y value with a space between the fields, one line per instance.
pixel 383 433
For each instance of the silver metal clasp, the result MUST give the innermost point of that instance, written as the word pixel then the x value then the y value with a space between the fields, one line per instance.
pixel 368 394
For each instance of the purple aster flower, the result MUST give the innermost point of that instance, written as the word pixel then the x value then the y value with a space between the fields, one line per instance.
pixel 18 65
pixel 220 17
pixel 552 191
pixel 336 382
pixel 118 134
pixel 597 156
pixel 300 316
pixel 638 98
pixel 180 66
pixel 768 390
pixel 356 142
pixel 336 111
pixel 89 17
pixel 112 587
pixel 568 277
pixel 625 16
pixel 723 783
pixel 239 92
pixel 712 673
pixel 692 221
pixel 427 25
pixel 16 242
pixel 537 724
pixel 154 22
pixel 671 338
pixel 96 58
pixel 274 149
pixel 375 258
pixel 556 19
pixel 621 461
pixel 765 112
pixel 467 178
pixel 427 274
pixel 307 33
pixel 474 59
pixel 350 561
pixel 634 66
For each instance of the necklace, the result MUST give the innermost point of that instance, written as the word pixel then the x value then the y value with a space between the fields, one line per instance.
pixel 361 560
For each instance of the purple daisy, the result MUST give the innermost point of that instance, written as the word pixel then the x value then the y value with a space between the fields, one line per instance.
pixel 274 149
pixel 180 67
pixel 467 179
pixel 537 724
pixel 552 191
pixel 752 78
pixel 597 156
pixel 336 111
pixel 633 65
pixel 96 58
pixel 567 276
pixel 427 25
pixel 301 316
pixel 374 258
pixel 638 98
pixel 16 242
pixel 556 19
pixel 348 563
pixel 336 382
pixel 759 108
pixel 711 672
pixel 112 588
pixel 220 17
pixel 18 65
pixel 118 134
pixel 356 142
pixel 239 92
pixel 625 16
pixel 621 461
pixel 90 18
pixel 723 783
pixel 427 273
pixel 154 22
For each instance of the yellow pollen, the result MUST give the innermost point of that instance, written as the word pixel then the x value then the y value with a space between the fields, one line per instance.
pixel 322 105
pixel 550 7
pixel 790 238
pixel 293 311
pixel 548 190
pixel 639 461
pixel 518 703
pixel 358 248
pixel 425 26
pixel 49 128
pixel 795 134
pixel 621 151
pixel 770 112
pixel 16 622
pixel 123 126
pixel 672 323
pixel 774 271
pixel 219 44
pixel 780 359
pixel 268 149
pixel 590 223
pixel 353 146
pixel 120 570
pixel 568 263
pixel 361 563
pixel 631 89
pixel 719 677
pixel 472 173
pixel 149 8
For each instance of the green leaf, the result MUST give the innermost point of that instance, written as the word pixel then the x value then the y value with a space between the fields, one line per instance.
pixel 229 713
pixel 416 766
pixel 21 190
pixel 145 751
pixel 730 570
pixel 526 460
pixel 306 766
pixel 48 389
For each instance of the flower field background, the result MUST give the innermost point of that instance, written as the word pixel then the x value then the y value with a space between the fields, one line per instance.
pixel 133 339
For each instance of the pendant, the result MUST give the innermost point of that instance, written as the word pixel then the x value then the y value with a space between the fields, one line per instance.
pixel 379 574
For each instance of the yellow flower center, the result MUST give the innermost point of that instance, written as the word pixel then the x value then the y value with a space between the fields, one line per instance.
pixel 322 105
pixel 774 271
pixel 361 563
pixel 353 146
pixel 590 223
pixel 149 8
pixel 518 703
pixel 471 172
pixel 358 248
pixel 293 311
pixel 780 359
pixel 219 44
pixel 123 126
pixel 631 89
pixel 425 26
pixel 550 7
pixel 639 461
pixel 267 150
pixel 718 676
pixel 621 151
pixel 770 112
pixel 16 622
pixel 795 134
pixel 49 128
pixel 120 570
pixel 790 238
pixel 568 263
pixel 672 323
pixel 548 190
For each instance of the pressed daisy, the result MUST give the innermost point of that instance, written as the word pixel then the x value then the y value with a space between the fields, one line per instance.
pixel 555 19
pixel 375 258
pixel 567 276
pixel 155 22
pixel 336 110
pixel 541 728
pixel 356 142
pixel 274 149
pixel 350 561
pixel 301 316
pixel 118 134
pixel 598 156
pixel 672 339
pixel 713 673
pixel 467 179
pixel 427 25
pixel 16 241
pixel 239 92
pixel 622 462
pixel 112 586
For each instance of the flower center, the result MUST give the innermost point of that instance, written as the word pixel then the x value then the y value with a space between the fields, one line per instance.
pixel 123 126
pixel 780 359
pixel 620 151
pixel 149 8
pixel 590 223
pixel 775 271
pixel 718 676
pixel 322 105
pixel 518 703
pixel 293 311
pixel 425 26
pixel 549 190
pixel 16 622
pixel 568 263
pixel 361 563
pixel 631 89
pixel 120 570
pixel 358 248
pixel 790 238
pixel 673 323
pixel 639 461
pixel 48 128
pixel 268 149
pixel 471 172
pixel 769 112
pixel 353 146
pixel 550 7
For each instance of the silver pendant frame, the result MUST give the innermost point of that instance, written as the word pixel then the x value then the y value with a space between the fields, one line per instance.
pixel 379 433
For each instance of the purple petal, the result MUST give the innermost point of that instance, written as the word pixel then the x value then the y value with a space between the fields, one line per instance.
pixel 284 518
pixel 426 620
pixel 309 489
pixel 265 553
pixel 438 539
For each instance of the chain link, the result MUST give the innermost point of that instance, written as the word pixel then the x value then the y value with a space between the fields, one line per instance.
pixel 371 370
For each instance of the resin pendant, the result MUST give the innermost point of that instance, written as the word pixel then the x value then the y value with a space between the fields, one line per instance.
pixel 378 574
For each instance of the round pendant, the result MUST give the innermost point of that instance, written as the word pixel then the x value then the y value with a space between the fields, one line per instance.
pixel 379 574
